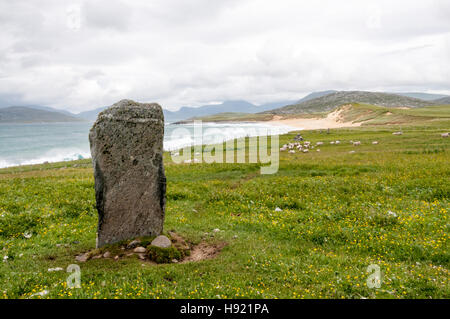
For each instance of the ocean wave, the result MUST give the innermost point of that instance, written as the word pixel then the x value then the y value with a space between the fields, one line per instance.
pixel 52 156
pixel 182 136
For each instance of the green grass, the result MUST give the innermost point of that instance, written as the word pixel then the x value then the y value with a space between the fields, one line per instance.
pixel 334 223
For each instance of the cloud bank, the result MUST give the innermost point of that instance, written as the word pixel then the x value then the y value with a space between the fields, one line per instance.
pixel 79 55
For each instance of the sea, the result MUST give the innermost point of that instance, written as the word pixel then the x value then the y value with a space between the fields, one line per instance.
pixel 27 144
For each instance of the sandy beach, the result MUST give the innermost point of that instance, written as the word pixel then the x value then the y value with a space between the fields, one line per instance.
pixel 333 120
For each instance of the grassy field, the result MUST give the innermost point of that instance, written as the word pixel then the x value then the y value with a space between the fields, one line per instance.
pixel 385 204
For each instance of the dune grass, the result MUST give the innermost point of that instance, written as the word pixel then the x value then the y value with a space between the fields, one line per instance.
pixel 366 114
pixel 370 115
pixel 385 204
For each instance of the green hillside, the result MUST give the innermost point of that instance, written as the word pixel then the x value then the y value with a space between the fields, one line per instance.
pixel 366 114
pixel 333 100
pixel 22 114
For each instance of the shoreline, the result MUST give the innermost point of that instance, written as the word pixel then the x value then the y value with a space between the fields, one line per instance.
pixel 229 131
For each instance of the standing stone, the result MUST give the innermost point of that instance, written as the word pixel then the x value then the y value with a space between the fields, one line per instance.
pixel 130 185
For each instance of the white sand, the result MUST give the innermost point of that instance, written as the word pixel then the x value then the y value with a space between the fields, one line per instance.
pixel 333 120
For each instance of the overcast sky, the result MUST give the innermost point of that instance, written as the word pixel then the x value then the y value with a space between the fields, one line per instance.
pixel 79 55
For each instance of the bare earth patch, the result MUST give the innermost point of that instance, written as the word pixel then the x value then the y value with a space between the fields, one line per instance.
pixel 191 252
pixel 204 251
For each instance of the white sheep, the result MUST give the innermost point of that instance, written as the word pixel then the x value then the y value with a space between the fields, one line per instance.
pixel 445 135
pixel 375 142
pixel 357 143
pixel 397 133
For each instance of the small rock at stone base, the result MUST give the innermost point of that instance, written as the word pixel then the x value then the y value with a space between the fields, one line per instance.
pixel 107 254
pixel 162 242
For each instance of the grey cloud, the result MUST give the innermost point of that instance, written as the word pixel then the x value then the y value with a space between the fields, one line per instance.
pixel 83 54
pixel 114 15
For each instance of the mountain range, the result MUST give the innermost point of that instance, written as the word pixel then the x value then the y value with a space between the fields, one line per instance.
pixel 227 106
pixel 443 101
pixel 314 102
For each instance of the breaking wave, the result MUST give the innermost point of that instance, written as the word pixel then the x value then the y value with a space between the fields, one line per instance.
pixel 52 156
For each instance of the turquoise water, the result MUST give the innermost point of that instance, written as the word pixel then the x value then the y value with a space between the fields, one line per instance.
pixel 24 144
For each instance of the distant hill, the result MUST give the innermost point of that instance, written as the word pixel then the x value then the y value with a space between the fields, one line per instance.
pixel 424 96
pixel 328 102
pixel 40 107
pixel 443 101
pixel 22 114
pixel 92 114
pixel 229 117
pixel 237 106
pixel 315 95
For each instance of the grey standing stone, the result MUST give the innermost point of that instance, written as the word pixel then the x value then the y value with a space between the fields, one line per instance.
pixel 130 184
